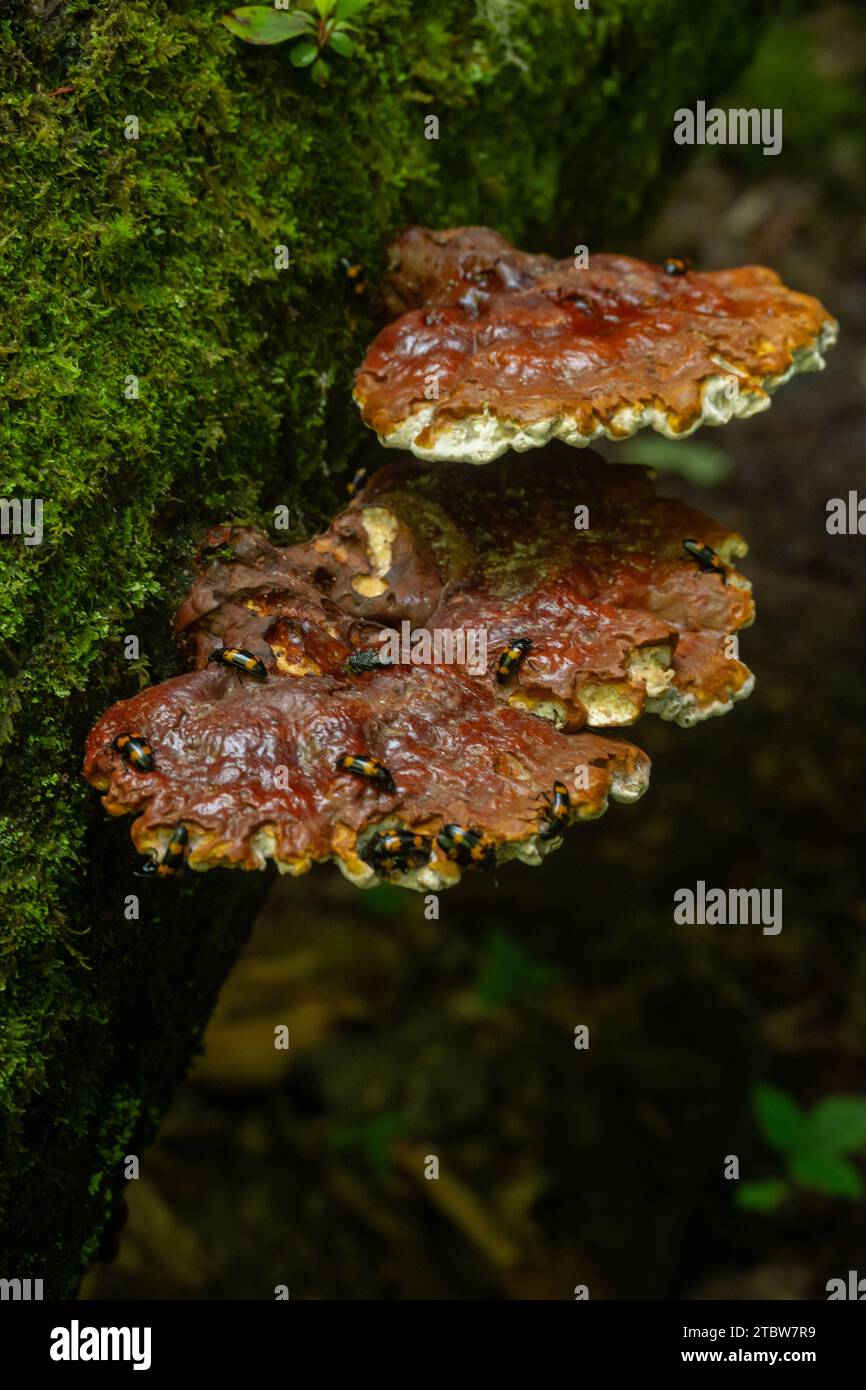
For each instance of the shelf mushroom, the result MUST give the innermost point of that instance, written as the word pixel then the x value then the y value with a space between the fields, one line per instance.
pixel 419 690
pixel 419 763
pixel 497 349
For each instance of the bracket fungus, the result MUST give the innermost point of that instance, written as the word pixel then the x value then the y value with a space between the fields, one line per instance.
pixel 512 638
pixel 495 349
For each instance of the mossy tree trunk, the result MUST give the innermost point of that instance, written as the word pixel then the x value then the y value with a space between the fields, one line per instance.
pixel 154 259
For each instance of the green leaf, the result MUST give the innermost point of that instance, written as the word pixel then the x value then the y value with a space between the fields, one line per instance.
pixel 700 463
pixel 827 1173
pixel 508 971
pixel 320 72
pixel 264 25
pixel 763 1196
pixel 373 1138
pixel 303 54
pixel 346 8
pixel 837 1125
pixel 323 7
pixel 342 44
pixel 779 1117
pixel 382 901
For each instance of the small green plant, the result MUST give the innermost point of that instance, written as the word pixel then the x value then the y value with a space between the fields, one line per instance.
pixel 814 1147
pixel 371 1139
pixel 703 464
pixel 316 32
pixel 509 971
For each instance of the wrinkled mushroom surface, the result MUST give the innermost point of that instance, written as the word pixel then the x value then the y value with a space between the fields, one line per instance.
pixel 617 618
pixel 495 348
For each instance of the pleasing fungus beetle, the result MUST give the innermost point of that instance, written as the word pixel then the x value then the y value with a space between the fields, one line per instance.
pixel 397 851
pixel 706 558
pixel 465 846
pixel 354 273
pixel 558 804
pixel 239 660
pixel 510 660
pixel 135 750
pixel 172 861
pixel 357 482
pixel 369 768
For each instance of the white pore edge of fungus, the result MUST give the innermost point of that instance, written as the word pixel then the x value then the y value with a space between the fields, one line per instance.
pixel 439 873
pixel 482 438
pixel 682 708
pixel 615 705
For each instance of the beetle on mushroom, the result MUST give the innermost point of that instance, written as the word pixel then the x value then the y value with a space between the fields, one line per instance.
pixel 622 616
pixel 357 742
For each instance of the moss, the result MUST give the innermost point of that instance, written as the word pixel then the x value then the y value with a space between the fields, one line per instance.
pixel 155 259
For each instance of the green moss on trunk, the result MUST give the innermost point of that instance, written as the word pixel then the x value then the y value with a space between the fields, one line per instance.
pixel 154 258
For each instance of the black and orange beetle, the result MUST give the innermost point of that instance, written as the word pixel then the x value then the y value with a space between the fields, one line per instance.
pixel 707 558
pixel 369 768
pixel 355 273
pixel 510 660
pixel 558 803
pixel 238 660
pixel 172 861
pixel 397 851
pixel 677 265
pixel 357 482
pixel 135 750
pixel 466 846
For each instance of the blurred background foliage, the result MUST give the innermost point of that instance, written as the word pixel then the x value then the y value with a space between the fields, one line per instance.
pixel 455 1037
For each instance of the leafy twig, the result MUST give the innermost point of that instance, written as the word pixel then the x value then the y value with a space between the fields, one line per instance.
pixel 814 1146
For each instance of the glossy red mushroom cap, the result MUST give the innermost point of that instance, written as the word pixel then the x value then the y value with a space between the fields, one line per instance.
pixel 442 570
pixel 496 349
